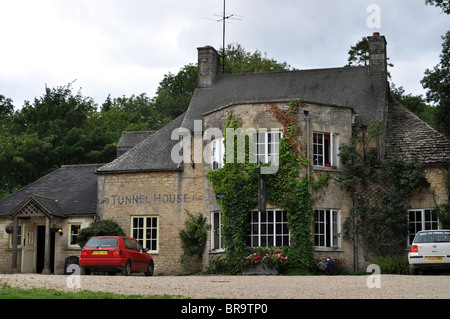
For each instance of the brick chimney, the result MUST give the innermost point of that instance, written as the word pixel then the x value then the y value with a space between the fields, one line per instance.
pixel 208 66
pixel 377 54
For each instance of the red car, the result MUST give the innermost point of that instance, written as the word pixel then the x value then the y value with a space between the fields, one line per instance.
pixel 115 253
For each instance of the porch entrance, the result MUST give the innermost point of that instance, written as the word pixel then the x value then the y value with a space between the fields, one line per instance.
pixel 40 250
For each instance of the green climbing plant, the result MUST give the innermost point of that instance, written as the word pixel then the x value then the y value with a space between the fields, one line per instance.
pixel 291 188
pixel 380 190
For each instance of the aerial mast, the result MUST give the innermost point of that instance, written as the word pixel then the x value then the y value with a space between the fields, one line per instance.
pixel 225 16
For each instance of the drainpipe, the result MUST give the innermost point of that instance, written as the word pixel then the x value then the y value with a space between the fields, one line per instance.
pixel 307 118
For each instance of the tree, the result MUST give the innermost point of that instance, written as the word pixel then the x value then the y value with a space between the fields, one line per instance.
pixel 104 227
pixel 444 4
pixel 359 53
pixel 175 91
pixel 437 81
pixel 6 106
pixel 237 60
pixel 64 127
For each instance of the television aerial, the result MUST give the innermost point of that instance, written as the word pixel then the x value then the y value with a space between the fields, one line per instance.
pixel 224 17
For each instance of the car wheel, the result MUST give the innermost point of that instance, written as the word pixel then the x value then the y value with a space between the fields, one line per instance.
pixel 150 269
pixel 412 271
pixel 127 270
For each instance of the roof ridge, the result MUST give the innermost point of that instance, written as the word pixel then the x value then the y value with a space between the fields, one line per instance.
pixel 295 71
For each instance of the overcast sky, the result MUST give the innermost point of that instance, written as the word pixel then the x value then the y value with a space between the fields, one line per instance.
pixel 124 47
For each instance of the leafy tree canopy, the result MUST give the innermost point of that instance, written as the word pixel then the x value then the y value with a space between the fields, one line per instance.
pixel 437 81
pixel 443 4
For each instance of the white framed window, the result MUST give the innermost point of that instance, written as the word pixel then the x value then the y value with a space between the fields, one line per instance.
pixel 326 228
pixel 421 219
pixel 267 146
pixel 145 229
pixel 216 231
pixel 267 229
pixel 19 237
pixel 217 153
pixel 325 149
pixel 74 231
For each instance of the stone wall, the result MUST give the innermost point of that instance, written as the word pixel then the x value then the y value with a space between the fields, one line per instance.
pixel 165 195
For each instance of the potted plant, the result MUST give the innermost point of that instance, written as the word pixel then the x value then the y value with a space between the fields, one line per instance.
pixel 56 228
pixel 328 265
pixel 9 228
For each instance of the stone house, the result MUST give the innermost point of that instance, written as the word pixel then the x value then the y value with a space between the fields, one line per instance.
pixel 160 175
pixel 65 198
pixel 148 188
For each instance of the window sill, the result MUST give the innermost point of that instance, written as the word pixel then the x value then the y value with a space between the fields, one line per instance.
pixel 217 251
pixel 324 168
pixel 328 249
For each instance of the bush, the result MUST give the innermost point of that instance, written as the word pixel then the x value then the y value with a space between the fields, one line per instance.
pixel 105 227
pixel 397 265
pixel 193 238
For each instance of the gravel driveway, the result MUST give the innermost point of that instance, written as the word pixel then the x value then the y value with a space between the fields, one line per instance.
pixel 247 287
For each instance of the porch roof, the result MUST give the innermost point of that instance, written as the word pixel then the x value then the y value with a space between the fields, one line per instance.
pixel 69 191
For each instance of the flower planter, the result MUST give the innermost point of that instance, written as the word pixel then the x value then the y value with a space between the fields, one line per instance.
pixel 328 265
pixel 260 270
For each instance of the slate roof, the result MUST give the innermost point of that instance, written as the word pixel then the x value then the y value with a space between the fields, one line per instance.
pixel 345 86
pixel 69 191
pixel 152 154
pixel 129 139
pixel 409 135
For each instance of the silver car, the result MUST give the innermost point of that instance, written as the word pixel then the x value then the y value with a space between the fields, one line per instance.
pixel 430 250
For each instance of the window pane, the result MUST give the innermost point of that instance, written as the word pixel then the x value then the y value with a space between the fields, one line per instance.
pixel 145 231
pixel 268 229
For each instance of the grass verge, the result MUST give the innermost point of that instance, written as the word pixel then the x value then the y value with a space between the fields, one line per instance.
pixel 8 292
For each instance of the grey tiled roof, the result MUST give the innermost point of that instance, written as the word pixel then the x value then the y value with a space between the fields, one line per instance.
pixel 345 86
pixel 69 191
pixel 408 135
pixel 152 154
pixel 129 139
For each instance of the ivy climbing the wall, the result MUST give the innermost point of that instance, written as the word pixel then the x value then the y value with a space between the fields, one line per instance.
pixel 380 190
pixel 291 188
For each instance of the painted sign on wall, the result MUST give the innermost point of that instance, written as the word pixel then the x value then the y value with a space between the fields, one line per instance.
pixel 151 199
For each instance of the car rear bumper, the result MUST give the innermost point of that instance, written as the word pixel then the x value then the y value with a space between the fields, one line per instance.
pixel 420 262
pixel 110 263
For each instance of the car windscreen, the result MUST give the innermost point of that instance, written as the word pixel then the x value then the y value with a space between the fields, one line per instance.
pixel 102 242
pixel 432 237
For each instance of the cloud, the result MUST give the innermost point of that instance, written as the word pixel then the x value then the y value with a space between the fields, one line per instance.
pixel 126 47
